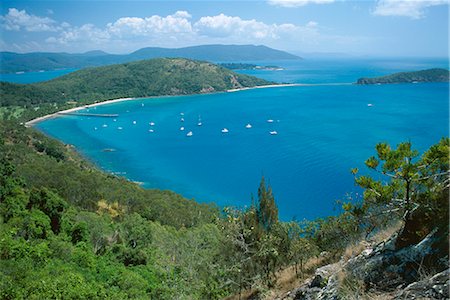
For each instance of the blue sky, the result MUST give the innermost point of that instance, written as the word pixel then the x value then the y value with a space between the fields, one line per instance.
pixel 372 28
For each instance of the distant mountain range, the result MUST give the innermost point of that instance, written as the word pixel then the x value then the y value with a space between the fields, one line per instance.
pixel 430 75
pixel 16 62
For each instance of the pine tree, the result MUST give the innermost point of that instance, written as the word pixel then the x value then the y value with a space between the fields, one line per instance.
pixel 267 212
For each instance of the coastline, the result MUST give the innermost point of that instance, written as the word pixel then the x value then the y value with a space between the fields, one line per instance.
pixel 33 122
pixel 74 109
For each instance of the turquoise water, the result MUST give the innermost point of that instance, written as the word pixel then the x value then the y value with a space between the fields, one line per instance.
pixel 323 131
pixel 30 77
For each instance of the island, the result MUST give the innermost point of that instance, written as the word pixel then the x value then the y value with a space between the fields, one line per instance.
pixel 145 78
pixel 244 66
pixel 430 75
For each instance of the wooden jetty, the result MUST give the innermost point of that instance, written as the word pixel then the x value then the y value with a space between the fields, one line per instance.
pixel 89 115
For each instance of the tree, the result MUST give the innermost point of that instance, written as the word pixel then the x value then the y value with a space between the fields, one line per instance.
pixel 50 203
pixel 417 188
pixel 267 212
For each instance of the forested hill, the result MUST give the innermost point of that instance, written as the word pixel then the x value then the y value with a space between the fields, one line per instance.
pixel 430 75
pixel 145 78
pixel 16 62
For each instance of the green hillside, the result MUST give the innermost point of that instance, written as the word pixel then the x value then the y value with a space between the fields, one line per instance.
pixel 430 75
pixel 146 78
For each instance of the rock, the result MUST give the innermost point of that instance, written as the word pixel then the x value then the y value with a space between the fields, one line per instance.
pixel 323 286
pixel 387 271
pixel 436 287
pixel 330 291
pixel 316 282
pixel 386 267
pixel 306 293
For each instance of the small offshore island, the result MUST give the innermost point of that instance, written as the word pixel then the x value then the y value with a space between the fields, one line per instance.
pixel 430 75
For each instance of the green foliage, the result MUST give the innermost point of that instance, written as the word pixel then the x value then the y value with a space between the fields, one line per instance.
pixel 267 212
pixel 79 233
pixel 36 225
pixel 49 203
pixel 417 189
pixel 430 75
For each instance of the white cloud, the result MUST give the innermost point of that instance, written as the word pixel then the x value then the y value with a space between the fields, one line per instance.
pixel 413 9
pixel 250 31
pixel 16 20
pixel 176 30
pixel 297 3
pixel 227 26
pixel 87 33
pixel 182 14
pixel 133 26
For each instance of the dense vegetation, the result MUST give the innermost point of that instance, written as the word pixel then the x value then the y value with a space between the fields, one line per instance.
pixel 16 62
pixel 430 75
pixel 154 77
pixel 70 231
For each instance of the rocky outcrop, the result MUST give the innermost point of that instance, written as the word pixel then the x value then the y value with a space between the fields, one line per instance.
pixel 436 287
pixel 324 285
pixel 385 270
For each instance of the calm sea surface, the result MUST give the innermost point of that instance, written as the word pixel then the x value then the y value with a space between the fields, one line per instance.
pixel 323 131
pixel 31 77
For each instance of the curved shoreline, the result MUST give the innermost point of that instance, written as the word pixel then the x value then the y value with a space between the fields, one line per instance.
pixel 75 109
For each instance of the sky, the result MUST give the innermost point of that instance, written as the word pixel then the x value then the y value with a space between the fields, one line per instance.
pixel 396 28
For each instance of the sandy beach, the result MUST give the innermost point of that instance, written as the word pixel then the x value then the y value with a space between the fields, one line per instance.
pixel 75 109
pixel 71 110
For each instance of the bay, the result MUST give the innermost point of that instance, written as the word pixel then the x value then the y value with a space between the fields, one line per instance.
pixel 323 131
